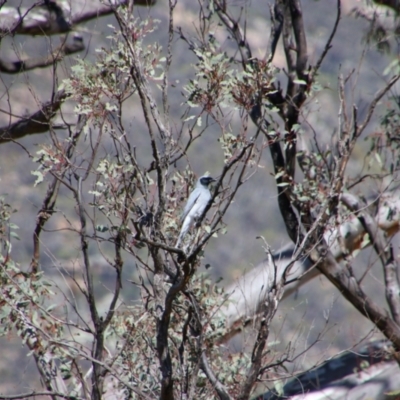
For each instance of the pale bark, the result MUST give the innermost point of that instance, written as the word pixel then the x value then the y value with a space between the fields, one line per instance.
pixel 247 295
pixel 55 17
pixel 368 372
pixel 38 122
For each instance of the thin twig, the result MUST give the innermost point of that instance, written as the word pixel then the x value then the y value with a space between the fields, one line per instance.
pixel 328 44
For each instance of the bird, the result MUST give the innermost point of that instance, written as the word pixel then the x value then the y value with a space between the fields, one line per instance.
pixel 195 205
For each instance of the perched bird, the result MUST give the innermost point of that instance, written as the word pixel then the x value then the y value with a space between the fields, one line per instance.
pixel 195 205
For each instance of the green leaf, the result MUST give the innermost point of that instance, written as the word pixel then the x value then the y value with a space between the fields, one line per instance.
pixel 51 307
pixel 14 235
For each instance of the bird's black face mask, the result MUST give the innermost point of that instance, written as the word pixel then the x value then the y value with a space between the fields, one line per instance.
pixel 206 180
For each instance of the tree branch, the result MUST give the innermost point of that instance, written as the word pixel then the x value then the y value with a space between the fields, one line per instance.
pixel 218 386
pixel 50 18
pixel 277 17
pixel 371 364
pixel 382 249
pixel 352 291
pixel 300 37
pixel 234 28
pixel 272 301
pixel 54 395
pixel 247 295
pixel 43 216
pixel 328 44
pixel 39 122
pixel 282 184
pixel 97 321
pixel 374 102
pixel 16 67
pixel 103 10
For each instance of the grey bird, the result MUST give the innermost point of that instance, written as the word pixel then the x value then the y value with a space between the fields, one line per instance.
pixel 195 205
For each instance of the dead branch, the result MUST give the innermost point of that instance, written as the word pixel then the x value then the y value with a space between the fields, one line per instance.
pixel 97 321
pixel 34 394
pixel 50 17
pixel 247 294
pixel 328 44
pixel 276 29
pixel 378 96
pixel 383 249
pixel 272 301
pixel 218 386
pixel 371 364
pixel 67 48
pixel 352 291
pixel 236 31
pixel 39 122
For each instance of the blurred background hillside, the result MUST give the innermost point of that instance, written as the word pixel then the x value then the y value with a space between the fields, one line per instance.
pixel 317 312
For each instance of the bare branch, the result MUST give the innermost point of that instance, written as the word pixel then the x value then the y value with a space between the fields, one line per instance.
pixel 374 102
pixel 39 122
pixel 38 393
pixel 383 250
pixel 392 286
pixel 300 36
pixel 282 184
pixel 16 67
pixel 372 363
pixel 97 321
pixel 118 280
pixel 328 44
pixel 296 60
pixel 98 9
pixel 43 216
pixel 236 31
pixel 288 46
pixel 352 291
pixel 257 358
pixel 277 16
pixel 248 293
pixel 49 17
pixel 43 18
pixel 218 386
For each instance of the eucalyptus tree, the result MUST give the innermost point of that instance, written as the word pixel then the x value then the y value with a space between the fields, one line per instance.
pixel 115 189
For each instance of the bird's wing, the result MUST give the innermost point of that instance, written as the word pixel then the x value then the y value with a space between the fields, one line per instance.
pixel 194 196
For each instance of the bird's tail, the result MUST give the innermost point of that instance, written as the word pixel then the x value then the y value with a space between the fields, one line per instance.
pixel 180 238
pixel 183 232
